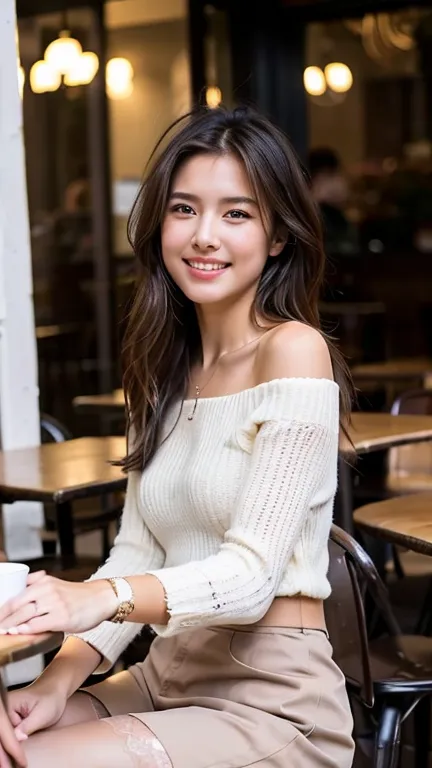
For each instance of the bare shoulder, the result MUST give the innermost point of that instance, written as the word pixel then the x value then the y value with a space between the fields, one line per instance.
pixel 290 350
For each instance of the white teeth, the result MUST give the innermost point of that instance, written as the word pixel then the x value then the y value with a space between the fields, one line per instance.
pixel 206 266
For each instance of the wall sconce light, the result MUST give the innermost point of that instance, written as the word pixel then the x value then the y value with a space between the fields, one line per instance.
pixel 119 78
pixel 213 96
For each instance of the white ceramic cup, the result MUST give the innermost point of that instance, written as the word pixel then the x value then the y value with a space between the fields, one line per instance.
pixel 13 580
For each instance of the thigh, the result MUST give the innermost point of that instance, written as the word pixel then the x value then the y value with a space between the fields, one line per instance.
pixel 107 743
pixel 82 707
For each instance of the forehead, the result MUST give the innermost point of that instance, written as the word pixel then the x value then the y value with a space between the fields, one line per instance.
pixel 226 172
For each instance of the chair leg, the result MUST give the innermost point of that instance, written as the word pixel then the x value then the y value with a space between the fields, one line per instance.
pixel 399 571
pixel 424 624
pixel 388 738
pixel 422 732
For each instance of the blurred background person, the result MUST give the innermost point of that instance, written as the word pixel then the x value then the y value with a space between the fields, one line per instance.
pixel 330 190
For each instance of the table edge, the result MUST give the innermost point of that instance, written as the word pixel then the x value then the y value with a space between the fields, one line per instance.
pixel 11 494
pixel 48 642
pixel 393 537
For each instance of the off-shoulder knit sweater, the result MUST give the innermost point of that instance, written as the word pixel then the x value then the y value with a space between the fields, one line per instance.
pixel 234 509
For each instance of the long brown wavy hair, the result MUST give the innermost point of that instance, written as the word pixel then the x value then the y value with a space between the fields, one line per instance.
pixel 162 337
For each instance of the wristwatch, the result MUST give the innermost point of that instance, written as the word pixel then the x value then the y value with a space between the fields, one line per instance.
pixel 126 601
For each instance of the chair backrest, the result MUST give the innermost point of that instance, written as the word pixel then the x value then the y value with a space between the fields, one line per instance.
pixel 411 459
pixel 52 430
pixel 351 573
pixel 346 624
pixel 413 401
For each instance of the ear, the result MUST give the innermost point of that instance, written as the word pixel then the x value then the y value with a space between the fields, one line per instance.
pixel 278 243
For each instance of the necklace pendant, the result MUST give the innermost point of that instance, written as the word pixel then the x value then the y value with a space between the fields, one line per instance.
pixel 191 415
pixel 197 394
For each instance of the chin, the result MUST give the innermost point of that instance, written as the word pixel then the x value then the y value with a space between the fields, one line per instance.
pixel 204 294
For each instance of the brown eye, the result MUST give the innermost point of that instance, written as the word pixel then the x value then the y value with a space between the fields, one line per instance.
pixel 186 209
pixel 236 214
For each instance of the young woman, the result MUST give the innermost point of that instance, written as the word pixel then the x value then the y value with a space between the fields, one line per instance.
pixel 234 398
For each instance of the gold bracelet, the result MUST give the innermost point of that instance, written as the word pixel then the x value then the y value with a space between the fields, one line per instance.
pixel 125 595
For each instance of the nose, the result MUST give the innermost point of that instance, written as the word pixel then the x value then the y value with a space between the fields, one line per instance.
pixel 205 237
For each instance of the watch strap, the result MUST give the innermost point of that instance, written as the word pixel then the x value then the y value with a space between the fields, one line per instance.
pixel 125 595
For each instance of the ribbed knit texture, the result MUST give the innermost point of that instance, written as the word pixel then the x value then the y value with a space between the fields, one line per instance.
pixel 234 509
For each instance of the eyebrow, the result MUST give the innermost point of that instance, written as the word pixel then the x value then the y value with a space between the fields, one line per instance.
pixel 226 200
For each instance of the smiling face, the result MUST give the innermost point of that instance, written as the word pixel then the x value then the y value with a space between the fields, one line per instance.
pixel 214 242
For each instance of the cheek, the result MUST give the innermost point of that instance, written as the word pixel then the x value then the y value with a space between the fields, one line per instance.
pixel 250 243
pixel 174 235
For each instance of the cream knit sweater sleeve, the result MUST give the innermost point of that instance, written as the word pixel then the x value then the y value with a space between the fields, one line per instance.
pixel 293 471
pixel 135 550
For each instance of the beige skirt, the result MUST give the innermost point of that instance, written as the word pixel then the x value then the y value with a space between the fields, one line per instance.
pixel 233 697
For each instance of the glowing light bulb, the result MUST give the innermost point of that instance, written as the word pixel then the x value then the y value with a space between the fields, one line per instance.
pixel 339 77
pixel 63 54
pixel 43 78
pixel 314 81
pixel 213 96
pixel 84 70
pixel 119 78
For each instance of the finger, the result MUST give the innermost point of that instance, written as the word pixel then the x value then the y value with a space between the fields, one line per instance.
pixel 35 721
pixel 20 617
pixel 21 736
pixel 32 578
pixel 43 599
pixel 4 759
pixel 14 717
pixel 11 745
pixel 5 610
pixel 31 594
pixel 36 626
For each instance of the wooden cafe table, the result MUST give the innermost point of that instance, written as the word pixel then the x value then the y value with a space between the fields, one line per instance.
pixel 376 432
pixel 402 520
pixel 59 473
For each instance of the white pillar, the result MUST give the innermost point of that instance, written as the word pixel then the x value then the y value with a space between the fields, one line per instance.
pixel 19 400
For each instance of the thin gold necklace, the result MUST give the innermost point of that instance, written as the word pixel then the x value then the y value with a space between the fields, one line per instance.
pixel 199 390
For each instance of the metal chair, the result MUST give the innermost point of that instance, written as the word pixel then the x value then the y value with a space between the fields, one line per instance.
pixel 390 677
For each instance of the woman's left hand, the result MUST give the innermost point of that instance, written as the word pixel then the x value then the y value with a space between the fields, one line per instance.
pixel 53 605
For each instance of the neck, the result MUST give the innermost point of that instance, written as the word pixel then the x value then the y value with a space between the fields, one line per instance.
pixel 225 329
